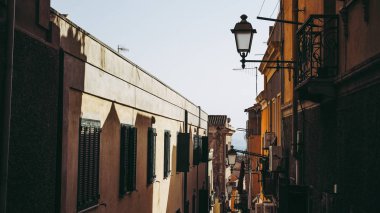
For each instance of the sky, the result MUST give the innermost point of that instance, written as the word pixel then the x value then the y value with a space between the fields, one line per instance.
pixel 188 45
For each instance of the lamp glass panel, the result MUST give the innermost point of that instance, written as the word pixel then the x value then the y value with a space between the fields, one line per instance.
pixel 231 159
pixel 243 40
pixel 229 188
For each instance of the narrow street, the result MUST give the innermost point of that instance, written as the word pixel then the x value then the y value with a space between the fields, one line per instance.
pixel 144 106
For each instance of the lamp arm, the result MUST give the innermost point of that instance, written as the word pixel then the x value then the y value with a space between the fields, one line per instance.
pixel 251 153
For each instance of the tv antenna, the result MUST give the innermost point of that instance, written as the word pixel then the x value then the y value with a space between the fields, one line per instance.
pixel 122 49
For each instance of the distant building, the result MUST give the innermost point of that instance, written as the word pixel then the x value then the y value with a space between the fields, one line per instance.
pixel 253 135
pixel 220 137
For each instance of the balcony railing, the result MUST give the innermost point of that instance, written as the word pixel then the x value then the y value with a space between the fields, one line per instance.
pixel 318 48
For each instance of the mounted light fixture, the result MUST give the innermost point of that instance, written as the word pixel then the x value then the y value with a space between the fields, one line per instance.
pixel 243 32
pixel 231 156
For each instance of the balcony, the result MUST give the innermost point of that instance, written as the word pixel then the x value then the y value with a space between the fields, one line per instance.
pixel 317 57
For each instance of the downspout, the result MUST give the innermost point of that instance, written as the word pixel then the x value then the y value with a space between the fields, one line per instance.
pixel 207 168
pixel 199 126
pixel 295 97
pixel 185 208
pixel 283 91
pixel 282 50
pixel 11 5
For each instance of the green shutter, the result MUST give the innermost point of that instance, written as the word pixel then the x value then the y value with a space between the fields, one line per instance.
pixel 167 154
pixel 204 154
pixel 124 134
pixel 183 140
pixel 203 201
pixel 88 163
pixel 195 150
pixel 132 159
pixel 151 155
pixel 128 145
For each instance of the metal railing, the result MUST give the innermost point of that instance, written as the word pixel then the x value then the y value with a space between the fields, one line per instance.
pixel 318 48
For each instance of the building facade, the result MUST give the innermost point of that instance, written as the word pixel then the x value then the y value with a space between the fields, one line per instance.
pixel 253 135
pixel 329 106
pixel 220 134
pixel 90 131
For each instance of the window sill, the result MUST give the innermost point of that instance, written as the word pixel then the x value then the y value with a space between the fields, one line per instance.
pixel 89 208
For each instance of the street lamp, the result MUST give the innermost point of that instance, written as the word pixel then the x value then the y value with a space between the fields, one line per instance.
pixel 243 32
pixel 231 157
pixel 232 153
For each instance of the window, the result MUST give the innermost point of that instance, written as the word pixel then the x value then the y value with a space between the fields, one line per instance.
pixel 88 164
pixel 183 152
pixel 151 155
pixel 128 154
pixel 167 154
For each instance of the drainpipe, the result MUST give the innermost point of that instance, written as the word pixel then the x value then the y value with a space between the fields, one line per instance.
pixel 185 209
pixel 199 126
pixel 11 4
pixel 295 97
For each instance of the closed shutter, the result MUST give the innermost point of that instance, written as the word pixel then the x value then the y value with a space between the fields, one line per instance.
pixel 132 156
pixel 167 154
pixel 196 150
pixel 124 134
pixel 204 149
pixel 151 155
pixel 200 148
pixel 203 201
pixel 128 142
pixel 88 163
pixel 183 140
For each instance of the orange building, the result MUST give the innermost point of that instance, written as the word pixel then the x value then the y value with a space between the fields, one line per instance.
pixel 253 136
pixel 323 108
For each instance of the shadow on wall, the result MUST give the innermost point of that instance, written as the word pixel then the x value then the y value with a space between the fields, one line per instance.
pixel 140 200
pixel 175 196
pixel 109 169
pixel 36 124
pixel 72 74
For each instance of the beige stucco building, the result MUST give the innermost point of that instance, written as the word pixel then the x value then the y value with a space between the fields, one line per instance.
pixel 99 84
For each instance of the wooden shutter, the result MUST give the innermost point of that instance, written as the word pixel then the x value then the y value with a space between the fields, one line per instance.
pixel 203 201
pixel 132 156
pixel 200 148
pixel 196 150
pixel 151 155
pixel 166 154
pixel 124 134
pixel 88 163
pixel 204 157
pixel 183 140
pixel 128 142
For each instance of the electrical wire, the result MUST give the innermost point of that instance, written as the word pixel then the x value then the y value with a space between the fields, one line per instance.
pixel 261 8
pixel 274 8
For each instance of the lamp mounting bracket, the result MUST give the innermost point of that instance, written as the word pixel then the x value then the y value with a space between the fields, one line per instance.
pixel 278 62
pixel 251 153
pixel 279 20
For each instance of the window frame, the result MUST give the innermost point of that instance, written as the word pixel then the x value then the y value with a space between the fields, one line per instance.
pixel 88 192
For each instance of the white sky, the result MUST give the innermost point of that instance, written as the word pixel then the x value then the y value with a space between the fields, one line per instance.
pixel 188 45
